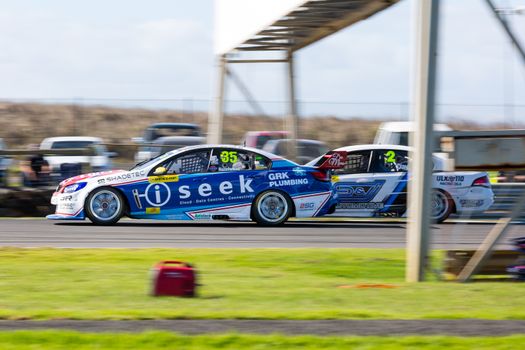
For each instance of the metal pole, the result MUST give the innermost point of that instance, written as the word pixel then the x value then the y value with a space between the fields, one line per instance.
pixel 216 116
pixel 418 232
pixel 292 118
pixel 507 29
pixel 246 92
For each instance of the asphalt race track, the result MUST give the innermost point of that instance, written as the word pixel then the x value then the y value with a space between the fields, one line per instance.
pixel 385 233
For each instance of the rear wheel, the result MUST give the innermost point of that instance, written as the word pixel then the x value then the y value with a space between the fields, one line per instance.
pixel 272 208
pixel 104 206
pixel 441 205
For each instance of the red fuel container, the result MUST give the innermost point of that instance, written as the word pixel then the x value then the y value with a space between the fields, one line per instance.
pixel 175 278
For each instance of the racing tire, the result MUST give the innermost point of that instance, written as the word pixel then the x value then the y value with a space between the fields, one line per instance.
pixel 441 205
pixel 272 208
pixel 104 206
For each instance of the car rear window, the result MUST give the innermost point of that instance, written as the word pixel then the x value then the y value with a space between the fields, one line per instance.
pixel 71 144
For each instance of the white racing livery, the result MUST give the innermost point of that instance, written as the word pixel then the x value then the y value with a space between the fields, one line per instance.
pixel 374 184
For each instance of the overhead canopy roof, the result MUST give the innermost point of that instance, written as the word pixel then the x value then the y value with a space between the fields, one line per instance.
pixel 311 21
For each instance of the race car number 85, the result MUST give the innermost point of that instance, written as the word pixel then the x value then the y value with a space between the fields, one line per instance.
pixel 229 157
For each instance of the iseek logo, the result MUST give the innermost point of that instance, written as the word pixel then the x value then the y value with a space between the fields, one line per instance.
pixel 159 194
pixel 225 187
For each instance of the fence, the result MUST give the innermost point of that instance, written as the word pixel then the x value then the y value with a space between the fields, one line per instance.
pixel 506 195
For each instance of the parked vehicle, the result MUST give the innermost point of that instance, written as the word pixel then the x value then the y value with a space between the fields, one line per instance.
pixel 202 182
pixel 101 161
pixel 170 143
pixel 5 162
pixel 258 139
pixel 306 149
pixel 396 133
pixel 374 184
pixel 156 131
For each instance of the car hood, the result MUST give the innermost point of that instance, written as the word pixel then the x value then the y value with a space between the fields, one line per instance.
pixel 82 177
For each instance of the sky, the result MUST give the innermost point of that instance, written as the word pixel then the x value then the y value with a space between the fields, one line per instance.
pixel 159 54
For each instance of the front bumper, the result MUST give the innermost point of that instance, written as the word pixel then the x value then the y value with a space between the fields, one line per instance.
pixel 64 217
pixel 69 206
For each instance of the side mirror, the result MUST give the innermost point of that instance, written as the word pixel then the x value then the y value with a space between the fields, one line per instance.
pixel 112 154
pixel 160 171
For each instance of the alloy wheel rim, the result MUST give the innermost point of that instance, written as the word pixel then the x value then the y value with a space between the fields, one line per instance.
pixel 439 204
pixel 105 205
pixel 273 206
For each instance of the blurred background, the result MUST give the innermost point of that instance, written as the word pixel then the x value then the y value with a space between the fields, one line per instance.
pixel 111 71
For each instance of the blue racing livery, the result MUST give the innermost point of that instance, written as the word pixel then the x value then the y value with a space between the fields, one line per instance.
pixel 201 182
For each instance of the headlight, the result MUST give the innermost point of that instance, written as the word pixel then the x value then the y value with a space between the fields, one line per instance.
pixel 75 187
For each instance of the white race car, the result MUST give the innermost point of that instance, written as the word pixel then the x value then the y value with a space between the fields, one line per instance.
pixel 374 184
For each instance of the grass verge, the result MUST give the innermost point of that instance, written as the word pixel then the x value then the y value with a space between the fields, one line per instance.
pixel 239 283
pixel 57 340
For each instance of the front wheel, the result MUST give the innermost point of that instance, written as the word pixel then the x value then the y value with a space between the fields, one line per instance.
pixel 104 206
pixel 441 206
pixel 272 208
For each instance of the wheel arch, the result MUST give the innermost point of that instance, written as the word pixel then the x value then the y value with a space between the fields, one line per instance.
pixel 449 196
pixel 125 201
pixel 292 214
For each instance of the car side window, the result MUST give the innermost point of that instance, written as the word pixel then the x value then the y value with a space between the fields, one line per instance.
pixel 388 160
pixel 187 163
pixel 227 159
pixel 358 162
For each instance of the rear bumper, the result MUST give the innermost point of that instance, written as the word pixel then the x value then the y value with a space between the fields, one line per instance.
pixel 477 199
pixel 329 206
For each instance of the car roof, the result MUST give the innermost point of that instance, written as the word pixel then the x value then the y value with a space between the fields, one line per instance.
pixel 72 138
pixel 251 149
pixel 167 139
pixel 409 126
pixel 373 147
pixel 267 133
pixel 172 125
pixel 317 142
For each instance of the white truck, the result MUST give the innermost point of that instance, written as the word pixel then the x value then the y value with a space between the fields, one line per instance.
pixel 396 133
pixel 100 161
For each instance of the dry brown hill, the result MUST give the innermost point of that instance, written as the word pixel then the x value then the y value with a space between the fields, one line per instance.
pixel 25 123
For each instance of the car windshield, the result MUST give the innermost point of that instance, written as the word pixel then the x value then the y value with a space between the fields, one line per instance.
pixel 176 130
pixel 71 144
pixel 311 149
pixel 403 138
pixel 146 163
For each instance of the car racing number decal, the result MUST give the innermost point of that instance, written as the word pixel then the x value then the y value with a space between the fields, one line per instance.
pixel 229 156
pixel 390 157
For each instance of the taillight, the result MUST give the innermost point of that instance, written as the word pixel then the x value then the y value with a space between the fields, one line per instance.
pixel 321 175
pixel 482 181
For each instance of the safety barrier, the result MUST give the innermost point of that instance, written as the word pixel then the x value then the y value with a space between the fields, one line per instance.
pixel 506 195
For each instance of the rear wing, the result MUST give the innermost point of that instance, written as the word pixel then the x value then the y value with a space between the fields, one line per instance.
pixel 332 160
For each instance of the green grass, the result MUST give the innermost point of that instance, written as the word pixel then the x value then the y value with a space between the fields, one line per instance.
pixel 57 340
pixel 238 283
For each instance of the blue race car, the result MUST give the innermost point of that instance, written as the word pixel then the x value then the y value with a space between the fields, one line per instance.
pixel 207 182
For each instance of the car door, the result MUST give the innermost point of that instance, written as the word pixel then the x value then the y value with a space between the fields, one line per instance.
pixel 235 176
pixel 390 167
pixel 177 185
pixel 356 187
